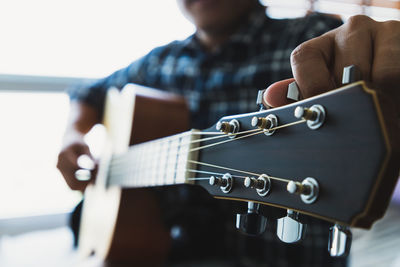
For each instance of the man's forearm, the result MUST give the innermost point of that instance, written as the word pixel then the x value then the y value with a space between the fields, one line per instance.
pixel 82 117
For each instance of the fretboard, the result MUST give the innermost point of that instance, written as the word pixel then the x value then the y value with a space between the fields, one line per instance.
pixel 160 162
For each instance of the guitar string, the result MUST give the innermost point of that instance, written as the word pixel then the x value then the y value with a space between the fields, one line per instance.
pixel 214 173
pixel 225 141
pixel 248 131
pixel 208 133
pixel 200 178
pixel 221 135
pixel 287 125
pixel 175 170
pixel 241 171
pixel 122 158
pixel 244 132
pixel 257 131
pixel 190 170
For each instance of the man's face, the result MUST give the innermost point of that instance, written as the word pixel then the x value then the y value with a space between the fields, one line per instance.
pixel 214 15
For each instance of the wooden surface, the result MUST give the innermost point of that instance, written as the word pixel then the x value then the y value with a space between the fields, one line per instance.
pixel 137 235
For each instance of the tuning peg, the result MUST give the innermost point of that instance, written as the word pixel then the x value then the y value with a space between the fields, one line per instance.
pixel 315 115
pixel 293 92
pixel 225 183
pixel 262 184
pixel 339 241
pixel 251 223
pixel 289 229
pixel 259 100
pixel 308 189
pixel 265 123
pixel 261 122
pixel 351 74
pixel 229 128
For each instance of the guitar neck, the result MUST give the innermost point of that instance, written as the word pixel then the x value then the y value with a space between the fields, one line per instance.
pixel 160 162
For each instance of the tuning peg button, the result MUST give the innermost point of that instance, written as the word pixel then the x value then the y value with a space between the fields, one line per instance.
pixel 289 229
pixel 293 92
pixel 259 100
pixel 251 223
pixel 340 238
pixel 351 74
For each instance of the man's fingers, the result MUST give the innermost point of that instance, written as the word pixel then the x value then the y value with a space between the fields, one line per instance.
pixel 386 65
pixel 310 65
pixel 318 63
pixel 68 164
pixel 276 94
pixel 353 46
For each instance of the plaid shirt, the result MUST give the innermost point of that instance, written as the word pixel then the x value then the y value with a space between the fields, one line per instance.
pixel 219 83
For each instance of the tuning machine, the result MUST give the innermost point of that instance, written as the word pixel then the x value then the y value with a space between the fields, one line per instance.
pixel 259 100
pixel 308 189
pixel 230 128
pixel 340 238
pixel 262 184
pixel 267 124
pixel 289 229
pixel 315 115
pixel 351 74
pixel 251 223
pixel 225 183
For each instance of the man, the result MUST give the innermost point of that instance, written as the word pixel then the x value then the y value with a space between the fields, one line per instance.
pixel 235 51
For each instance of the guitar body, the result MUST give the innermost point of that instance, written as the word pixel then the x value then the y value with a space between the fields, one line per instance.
pixel 125 225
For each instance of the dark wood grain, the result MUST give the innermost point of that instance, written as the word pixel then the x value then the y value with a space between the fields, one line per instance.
pixel 354 157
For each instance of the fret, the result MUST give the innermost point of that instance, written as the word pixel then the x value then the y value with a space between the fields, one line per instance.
pixel 160 162
pixel 182 160
pixel 171 159
pixel 157 164
pixel 145 177
pixel 152 175
pixel 163 163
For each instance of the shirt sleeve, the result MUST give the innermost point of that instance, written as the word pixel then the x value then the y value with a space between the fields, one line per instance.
pixel 94 93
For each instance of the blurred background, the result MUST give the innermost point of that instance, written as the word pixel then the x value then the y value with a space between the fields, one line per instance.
pixel 46 46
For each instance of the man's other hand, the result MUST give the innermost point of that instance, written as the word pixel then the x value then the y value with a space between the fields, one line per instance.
pixel 317 65
pixel 82 118
pixel 74 147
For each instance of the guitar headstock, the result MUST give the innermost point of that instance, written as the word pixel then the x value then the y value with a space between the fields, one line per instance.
pixel 341 165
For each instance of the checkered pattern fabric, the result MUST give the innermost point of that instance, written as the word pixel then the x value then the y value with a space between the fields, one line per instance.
pixel 219 83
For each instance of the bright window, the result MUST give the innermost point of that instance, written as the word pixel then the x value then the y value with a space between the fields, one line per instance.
pixel 68 38
pixel 83 38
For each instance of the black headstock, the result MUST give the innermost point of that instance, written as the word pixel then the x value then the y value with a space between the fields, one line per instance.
pixel 353 156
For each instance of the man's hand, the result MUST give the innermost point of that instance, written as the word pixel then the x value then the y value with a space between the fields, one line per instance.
pixel 82 118
pixel 74 147
pixel 318 64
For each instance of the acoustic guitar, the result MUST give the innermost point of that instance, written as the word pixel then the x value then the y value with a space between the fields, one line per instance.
pixel 333 156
